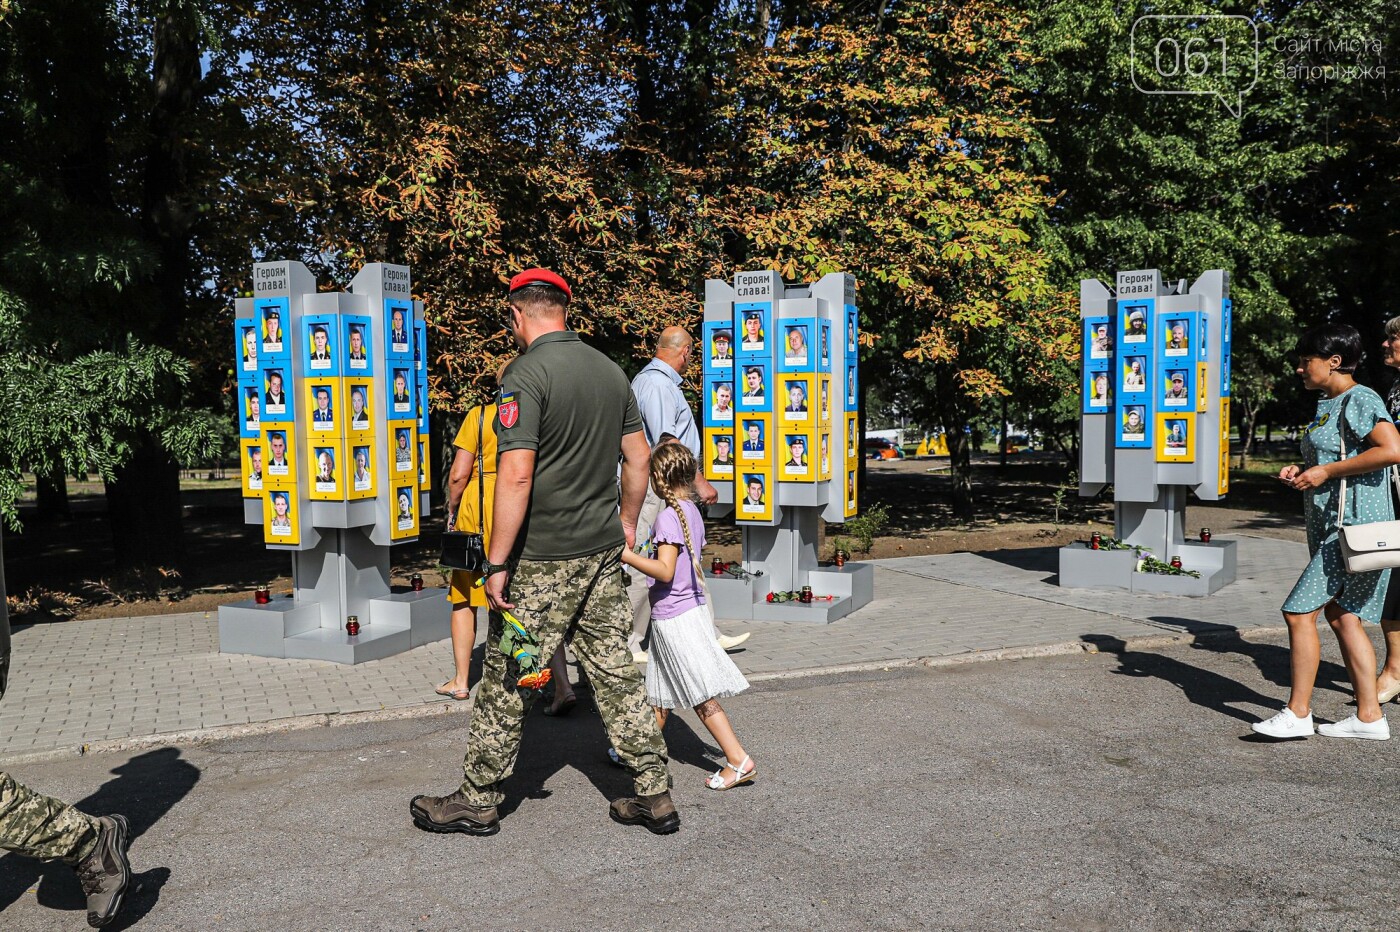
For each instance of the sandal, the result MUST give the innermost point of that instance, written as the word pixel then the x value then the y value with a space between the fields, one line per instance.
pixel 563 709
pixel 458 694
pixel 717 781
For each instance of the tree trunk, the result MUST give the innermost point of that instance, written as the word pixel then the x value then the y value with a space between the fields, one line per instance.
pixel 51 495
pixel 143 507
pixel 954 413
pixel 1002 462
pixel 1247 422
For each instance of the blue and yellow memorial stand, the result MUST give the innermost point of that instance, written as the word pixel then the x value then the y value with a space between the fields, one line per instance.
pixel 779 412
pixel 1155 424
pixel 332 396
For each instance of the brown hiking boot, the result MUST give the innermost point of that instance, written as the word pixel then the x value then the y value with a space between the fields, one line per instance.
pixel 656 813
pixel 453 814
pixel 106 872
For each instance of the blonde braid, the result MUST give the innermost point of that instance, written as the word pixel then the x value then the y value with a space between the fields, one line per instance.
pixel 673 467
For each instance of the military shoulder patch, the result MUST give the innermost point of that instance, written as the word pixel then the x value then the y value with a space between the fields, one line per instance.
pixel 509 409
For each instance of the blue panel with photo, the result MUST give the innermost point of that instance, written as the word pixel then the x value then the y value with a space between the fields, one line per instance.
pixel 319 341
pixel 273 316
pixel 1225 325
pixel 398 330
pixel 356 345
pixel 798 351
pixel 824 354
pixel 1098 343
pixel 420 346
pixel 1176 387
pixel 1098 392
pixel 754 320
pixel 420 400
pixel 1134 428
pixel 278 398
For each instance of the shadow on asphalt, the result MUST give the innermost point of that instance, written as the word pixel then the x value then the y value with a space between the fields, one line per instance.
pixel 145 789
pixel 1032 559
pixel 1211 690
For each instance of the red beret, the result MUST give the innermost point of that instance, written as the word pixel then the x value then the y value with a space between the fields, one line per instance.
pixel 539 277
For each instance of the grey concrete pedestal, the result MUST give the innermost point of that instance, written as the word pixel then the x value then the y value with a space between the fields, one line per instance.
pixel 1082 568
pixel 852 586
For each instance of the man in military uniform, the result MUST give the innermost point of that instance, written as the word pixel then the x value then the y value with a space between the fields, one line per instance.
pixel 565 415
pixel 43 827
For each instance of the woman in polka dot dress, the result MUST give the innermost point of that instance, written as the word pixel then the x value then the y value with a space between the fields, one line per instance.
pixel 1327 357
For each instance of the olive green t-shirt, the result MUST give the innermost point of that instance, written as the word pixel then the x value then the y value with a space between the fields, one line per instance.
pixel 572 406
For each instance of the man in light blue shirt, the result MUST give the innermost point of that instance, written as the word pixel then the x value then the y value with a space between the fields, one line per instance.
pixel 665 411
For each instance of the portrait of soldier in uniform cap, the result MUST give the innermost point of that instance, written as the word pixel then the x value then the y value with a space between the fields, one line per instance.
pixel 320 347
pixel 272 330
pixel 724 453
pixel 797 453
pixel 1177 394
pixel 1134 426
pixel 1101 347
pixel 1135 325
pixel 722 350
pixel 753 331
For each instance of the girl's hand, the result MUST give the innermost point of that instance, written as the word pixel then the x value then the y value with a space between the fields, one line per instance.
pixel 1310 478
pixel 1289 473
pixel 629 558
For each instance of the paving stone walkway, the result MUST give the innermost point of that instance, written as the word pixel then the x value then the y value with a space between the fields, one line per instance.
pixel 77 683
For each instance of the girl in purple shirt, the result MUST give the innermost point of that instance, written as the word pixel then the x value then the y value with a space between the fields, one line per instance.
pixel 687 668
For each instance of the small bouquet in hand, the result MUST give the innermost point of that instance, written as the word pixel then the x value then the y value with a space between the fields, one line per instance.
pixel 523 647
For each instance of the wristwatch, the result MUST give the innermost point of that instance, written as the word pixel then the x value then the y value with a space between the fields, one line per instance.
pixel 491 569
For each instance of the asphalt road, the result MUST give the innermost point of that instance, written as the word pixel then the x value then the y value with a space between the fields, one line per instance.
pixel 1119 791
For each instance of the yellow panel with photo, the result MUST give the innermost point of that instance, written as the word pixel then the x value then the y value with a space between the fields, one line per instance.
pixel 281 517
pixel 279 451
pixel 322 399
pixel 795 459
pixel 824 400
pixel 849 492
pixel 1176 436
pixel 1202 390
pixel 852 441
pixel 358 407
pixel 719 454
pixel 362 483
pixel 403 515
pixel 795 399
pixel 1222 485
pixel 755 435
pixel 823 455
pixel 425 473
pixel 250 456
pixel 403 452
pixel 753 496
pixel 327 469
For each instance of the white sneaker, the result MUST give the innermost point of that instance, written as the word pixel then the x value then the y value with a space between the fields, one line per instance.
pixel 726 642
pixel 640 656
pixel 1285 725
pixel 1354 727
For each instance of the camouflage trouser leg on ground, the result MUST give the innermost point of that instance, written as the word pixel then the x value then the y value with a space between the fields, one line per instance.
pixel 550 596
pixel 41 826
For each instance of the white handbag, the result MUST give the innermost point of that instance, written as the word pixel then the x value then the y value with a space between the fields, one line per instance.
pixel 1365 547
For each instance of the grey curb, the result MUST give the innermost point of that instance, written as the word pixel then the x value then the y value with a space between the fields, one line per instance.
pixel 444 707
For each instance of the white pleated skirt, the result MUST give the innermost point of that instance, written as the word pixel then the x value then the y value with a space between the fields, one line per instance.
pixel 687 665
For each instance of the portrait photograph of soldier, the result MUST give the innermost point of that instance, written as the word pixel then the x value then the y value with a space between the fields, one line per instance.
pixel 755 392
pixel 825 456
pixel 1134 374
pixel 825 392
pixel 1176 394
pixel 403 453
pixel 405 512
pixel 277 453
pixel 1177 337
pixel 753 447
pixel 753 332
pixel 362 475
pixel 796 407
pixel 723 461
pixel 1135 324
pixel 357 355
pixel 255 467
pixel 850 331
pixel 272 330
pixel 850 386
pixel 753 494
pixel 398 331
pixel 1101 341
pixel 826 344
pixel 325 469
pixel 320 347
pixel 276 398
pixel 1175 441
pixel 850 489
pixel 248 343
pixel 402 400
pixel 252 409
pixel 281 522
pixel 323 416
pixel 722 350
pixel 1099 390
pixel 795 345
pixel 721 401
pixel 797 454
pixel 1134 423
pixel 359 414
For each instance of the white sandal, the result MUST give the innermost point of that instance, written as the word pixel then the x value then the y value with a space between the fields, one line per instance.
pixel 717 781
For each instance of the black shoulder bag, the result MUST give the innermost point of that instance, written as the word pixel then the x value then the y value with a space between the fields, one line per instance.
pixel 466 550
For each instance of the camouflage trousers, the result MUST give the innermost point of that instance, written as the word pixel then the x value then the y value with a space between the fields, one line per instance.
pixel 43 827
pixel 552 598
